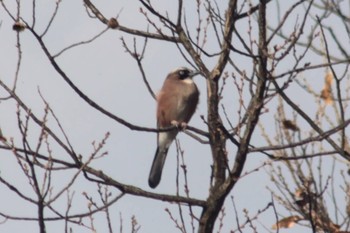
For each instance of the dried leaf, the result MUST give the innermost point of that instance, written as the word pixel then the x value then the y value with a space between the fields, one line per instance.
pixel 346 145
pixel 3 139
pixel 326 92
pixel 18 26
pixel 329 79
pixel 286 222
pixel 348 208
pixel 288 124
pixel 302 202
pixel 299 193
pixel 336 228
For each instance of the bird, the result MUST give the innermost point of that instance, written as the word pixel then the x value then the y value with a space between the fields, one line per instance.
pixel 176 103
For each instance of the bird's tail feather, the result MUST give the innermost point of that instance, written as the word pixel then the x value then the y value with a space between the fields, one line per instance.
pixel 157 167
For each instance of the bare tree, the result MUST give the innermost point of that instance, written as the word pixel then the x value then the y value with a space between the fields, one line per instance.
pixel 277 88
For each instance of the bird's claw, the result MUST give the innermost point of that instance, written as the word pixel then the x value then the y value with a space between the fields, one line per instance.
pixel 179 125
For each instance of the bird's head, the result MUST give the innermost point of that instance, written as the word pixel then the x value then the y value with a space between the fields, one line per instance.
pixel 183 73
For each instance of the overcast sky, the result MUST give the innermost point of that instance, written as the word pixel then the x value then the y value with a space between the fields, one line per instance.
pixel 108 75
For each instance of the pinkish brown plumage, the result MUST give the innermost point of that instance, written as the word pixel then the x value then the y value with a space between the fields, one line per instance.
pixel 176 101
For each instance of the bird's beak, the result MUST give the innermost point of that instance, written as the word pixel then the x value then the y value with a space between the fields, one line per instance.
pixel 194 73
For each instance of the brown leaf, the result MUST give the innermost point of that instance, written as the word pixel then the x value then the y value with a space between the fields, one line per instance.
pixel 299 193
pixel 346 145
pixel 286 222
pixel 326 92
pixel 2 138
pixel 288 124
pixel 18 26
pixel 348 208
pixel 328 79
pixel 301 197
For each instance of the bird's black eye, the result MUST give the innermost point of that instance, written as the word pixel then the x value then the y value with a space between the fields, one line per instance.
pixel 183 74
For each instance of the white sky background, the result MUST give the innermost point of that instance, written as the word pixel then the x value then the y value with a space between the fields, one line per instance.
pixel 110 77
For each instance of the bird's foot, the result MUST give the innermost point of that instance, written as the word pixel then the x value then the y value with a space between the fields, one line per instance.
pixel 179 125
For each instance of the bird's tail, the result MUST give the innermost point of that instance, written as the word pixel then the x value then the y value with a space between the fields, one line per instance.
pixel 157 167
